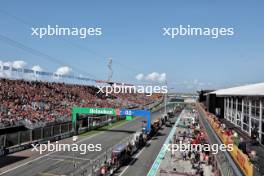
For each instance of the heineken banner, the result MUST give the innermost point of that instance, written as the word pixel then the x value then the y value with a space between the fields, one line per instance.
pixel 111 111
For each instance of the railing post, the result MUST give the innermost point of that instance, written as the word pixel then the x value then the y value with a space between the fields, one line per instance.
pixel 30 135
pixel 18 138
pixel 42 133
pixel 5 140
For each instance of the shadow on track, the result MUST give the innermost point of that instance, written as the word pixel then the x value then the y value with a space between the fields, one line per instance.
pixel 115 130
pixel 7 160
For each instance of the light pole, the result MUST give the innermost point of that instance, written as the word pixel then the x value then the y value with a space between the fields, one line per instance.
pixel 165 104
pixel 165 99
pixel 74 139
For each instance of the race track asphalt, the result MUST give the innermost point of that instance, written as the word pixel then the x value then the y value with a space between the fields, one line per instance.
pixel 61 163
pixel 141 164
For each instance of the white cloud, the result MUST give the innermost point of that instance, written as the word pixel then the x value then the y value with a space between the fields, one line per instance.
pixel 152 76
pixel 140 77
pixel 37 68
pixel 19 64
pixel 63 70
pixel 155 76
pixel 162 77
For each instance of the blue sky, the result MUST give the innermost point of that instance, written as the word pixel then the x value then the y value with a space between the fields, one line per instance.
pixel 132 37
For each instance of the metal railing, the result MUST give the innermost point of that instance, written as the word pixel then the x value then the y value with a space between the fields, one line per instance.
pixel 17 141
pixel 224 161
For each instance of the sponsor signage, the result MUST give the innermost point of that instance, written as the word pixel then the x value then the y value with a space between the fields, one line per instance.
pixel 129 113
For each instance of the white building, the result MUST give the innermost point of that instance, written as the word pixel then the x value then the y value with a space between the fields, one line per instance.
pixel 244 107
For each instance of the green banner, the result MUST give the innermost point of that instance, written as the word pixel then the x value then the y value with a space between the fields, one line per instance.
pixel 106 111
pixel 97 111
pixel 129 118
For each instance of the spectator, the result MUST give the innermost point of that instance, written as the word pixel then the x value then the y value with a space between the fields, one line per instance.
pixel 36 103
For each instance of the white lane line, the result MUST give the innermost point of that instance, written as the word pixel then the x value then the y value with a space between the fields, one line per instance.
pixel 136 156
pixel 13 168
pixel 23 164
pixel 56 159
pixel 67 157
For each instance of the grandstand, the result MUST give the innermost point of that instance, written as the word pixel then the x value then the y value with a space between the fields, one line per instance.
pixel 35 102
pixel 242 106
pixel 239 110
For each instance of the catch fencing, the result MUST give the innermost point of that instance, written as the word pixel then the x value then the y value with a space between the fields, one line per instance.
pixel 17 141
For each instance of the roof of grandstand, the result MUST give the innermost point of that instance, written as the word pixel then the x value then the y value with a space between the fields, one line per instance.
pixel 246 90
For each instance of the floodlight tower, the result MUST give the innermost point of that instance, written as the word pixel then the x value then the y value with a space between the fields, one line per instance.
pixel 165 99
pixel 109 65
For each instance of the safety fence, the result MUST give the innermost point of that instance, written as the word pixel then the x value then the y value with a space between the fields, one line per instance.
pixel 17 141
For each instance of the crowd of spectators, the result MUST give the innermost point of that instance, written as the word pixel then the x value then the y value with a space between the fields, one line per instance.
pixel 34 102
pixel 191 135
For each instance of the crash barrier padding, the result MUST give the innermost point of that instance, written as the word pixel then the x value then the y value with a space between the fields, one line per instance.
pixel 238 156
